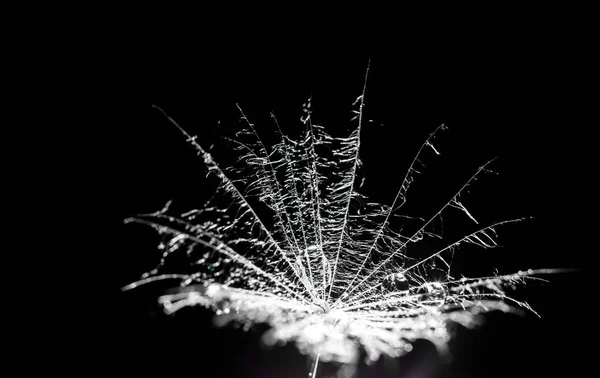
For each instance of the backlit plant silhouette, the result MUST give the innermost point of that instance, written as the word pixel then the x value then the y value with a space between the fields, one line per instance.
pixel 288 240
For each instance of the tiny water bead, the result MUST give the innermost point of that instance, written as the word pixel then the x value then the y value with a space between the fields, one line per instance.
pixel 434 293
pixel 433 288
pixel 395 282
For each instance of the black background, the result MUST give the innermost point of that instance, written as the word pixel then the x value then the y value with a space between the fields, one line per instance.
pixel 516 92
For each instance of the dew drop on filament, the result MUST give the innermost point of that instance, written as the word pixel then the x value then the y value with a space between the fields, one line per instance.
pixel 395 282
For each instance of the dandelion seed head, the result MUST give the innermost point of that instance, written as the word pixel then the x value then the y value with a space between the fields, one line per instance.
pixel 299 248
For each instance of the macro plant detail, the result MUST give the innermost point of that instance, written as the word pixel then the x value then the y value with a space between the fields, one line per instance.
pixel 288 240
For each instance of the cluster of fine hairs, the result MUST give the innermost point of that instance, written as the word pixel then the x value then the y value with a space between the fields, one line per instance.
pixel 288 240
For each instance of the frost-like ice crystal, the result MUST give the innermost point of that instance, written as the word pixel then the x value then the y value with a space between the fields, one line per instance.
pixel 295 245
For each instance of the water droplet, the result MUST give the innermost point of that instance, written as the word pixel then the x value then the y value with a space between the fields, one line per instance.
pixel 395 282
pixel 435 288
pixel 434 293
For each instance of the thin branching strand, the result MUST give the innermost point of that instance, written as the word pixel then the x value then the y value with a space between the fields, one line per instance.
pixel 418 235
pixel 352 147
pixel 398 202
pixel 271 194
pixel 280 208
pixel 312 180
pixel 224 249
pixel 290 184
pixel 229 187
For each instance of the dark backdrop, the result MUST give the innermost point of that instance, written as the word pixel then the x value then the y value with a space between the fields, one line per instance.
pixel 518 97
